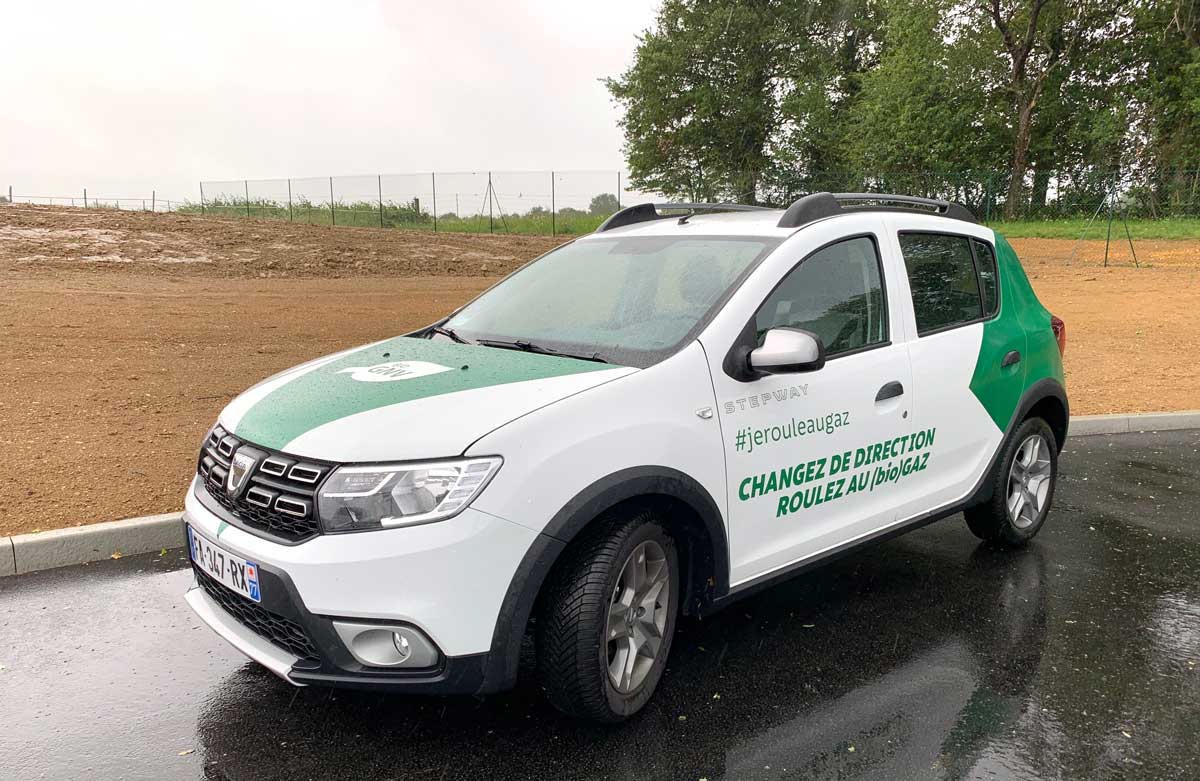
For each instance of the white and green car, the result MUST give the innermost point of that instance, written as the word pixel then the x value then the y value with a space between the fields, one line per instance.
pixel 651 421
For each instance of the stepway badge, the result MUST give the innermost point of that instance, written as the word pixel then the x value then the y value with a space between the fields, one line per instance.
pixel 394 370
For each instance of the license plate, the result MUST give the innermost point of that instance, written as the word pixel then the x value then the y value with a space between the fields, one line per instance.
pixel 233 572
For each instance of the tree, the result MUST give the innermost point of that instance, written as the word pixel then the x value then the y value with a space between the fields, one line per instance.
pixel 916 113
pixel 604 203
pixel 1037 37
pixel 1168 117
pixel 724 96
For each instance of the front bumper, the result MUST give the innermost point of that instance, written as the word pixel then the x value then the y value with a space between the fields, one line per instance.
pixel 447 580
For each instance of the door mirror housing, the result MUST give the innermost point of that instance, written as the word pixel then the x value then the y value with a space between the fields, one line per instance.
pixel 788 350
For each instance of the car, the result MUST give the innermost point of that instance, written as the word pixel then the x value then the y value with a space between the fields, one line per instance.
pixel 646 423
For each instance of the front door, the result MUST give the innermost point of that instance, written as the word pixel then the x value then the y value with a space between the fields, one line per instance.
pixel 810 456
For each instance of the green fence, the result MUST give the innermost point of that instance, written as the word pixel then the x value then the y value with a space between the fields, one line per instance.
pixel 573 203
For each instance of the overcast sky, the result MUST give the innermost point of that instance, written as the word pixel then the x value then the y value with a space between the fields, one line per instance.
pixel 123 96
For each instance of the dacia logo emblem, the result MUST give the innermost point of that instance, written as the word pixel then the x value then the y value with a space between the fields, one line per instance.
pixel 239 469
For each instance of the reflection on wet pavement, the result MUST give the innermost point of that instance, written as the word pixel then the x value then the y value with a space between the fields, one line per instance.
pixel 927 657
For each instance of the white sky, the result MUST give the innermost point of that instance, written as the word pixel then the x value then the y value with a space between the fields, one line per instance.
pixel 122 96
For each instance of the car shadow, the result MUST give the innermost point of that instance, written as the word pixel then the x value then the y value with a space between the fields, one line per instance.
pixel 888 663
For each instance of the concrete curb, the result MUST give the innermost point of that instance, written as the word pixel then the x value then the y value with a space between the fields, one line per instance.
pixel 1087 425
pixel 62 547
pixel 80 544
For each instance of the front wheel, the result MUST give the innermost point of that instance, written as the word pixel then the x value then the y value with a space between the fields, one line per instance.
pixel 1022 488
pixel 606 620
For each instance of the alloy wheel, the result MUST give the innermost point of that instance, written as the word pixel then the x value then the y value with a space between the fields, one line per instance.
pixel 637 616
pixel 1029 481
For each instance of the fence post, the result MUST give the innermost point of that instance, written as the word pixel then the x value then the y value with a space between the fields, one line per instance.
pixel 332 213
pixel 618 191
pixel 143 204
pixel 202 212
pixel 10 200
pixel 553 210
pixel 987 198
pixel 290 200
pixel 85 197
pixel 379 183
pixel 153 197
pixel 491 221
pixel 433 180
pixel 1112 187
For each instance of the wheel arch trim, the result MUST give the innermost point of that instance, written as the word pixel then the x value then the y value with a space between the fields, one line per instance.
pixel 567 523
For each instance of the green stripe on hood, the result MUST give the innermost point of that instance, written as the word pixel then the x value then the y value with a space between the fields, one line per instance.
pixel 363 380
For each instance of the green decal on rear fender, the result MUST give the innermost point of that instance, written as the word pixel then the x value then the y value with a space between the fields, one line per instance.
pixel 391 372
pixel 1023 324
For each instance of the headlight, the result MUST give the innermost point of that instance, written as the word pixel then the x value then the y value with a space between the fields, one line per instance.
pixel 354 498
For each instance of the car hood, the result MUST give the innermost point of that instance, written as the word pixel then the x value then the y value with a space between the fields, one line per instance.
pixel 404 399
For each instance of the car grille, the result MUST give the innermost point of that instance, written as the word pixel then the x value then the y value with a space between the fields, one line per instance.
pixel 278 498
pixel 273 628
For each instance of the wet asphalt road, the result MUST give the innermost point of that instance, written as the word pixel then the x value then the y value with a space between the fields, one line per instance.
pixel 927 657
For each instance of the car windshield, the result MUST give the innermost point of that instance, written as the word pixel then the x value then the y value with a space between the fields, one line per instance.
pixel 630 301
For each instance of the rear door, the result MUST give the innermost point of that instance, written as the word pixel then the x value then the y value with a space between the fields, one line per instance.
pixel 959 354
pixel 802 450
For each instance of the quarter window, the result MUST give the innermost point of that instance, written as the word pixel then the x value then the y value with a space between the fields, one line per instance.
pixel 941 274
pixel 985 258
pixel 836 293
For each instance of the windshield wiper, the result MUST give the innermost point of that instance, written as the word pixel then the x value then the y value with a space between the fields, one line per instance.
pixel 530 347
pixel 448 333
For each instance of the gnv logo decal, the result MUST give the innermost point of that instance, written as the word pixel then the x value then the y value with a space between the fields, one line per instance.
pixel 394 370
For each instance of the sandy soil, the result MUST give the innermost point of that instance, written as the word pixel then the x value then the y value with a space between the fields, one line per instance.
pixel 122 334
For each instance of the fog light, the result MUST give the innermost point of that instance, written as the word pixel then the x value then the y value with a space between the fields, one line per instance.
pixel 402 646
pixel 387 646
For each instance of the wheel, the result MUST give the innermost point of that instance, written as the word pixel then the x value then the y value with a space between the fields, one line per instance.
pixel 1022 488
pixel 606 619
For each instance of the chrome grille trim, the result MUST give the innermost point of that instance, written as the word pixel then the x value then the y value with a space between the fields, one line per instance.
pixel 274 467
pixel 308 474
pixel 290 506
pixel 273 503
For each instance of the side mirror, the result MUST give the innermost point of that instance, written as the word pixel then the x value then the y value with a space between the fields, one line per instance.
pixel 787 350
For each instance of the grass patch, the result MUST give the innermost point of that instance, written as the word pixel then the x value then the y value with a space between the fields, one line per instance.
pixel 573 222
pixel 567 222
pixel 1073 228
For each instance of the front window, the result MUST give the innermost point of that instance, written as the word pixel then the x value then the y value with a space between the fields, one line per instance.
pixel 835 293
pixel 630 301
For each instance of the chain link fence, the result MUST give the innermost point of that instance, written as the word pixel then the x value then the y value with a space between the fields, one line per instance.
pixel 145 203
pixel 539 202
pixel 576 202
pixel 1042 196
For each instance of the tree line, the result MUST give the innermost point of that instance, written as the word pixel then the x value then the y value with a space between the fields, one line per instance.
pixel 1015 101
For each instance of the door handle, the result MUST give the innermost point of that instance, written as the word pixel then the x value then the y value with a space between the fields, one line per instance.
pixel 889 391
pixel 1011 359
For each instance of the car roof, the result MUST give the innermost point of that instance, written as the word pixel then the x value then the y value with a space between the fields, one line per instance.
pixel 758 222
pixel 733 219
pixel 765 223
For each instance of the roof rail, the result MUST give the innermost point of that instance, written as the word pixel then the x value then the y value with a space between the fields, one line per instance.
pixel 644 212
pixel 818 205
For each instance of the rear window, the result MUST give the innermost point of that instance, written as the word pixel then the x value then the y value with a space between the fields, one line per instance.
pixel 989 281
pixel 942 277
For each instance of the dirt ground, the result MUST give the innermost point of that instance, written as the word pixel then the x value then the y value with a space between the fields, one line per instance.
pixel 122 334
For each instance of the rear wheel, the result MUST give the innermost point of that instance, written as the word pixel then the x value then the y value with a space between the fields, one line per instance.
pixel 1022 488
pixel 606 621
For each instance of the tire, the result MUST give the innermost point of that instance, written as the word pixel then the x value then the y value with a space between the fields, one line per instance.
pixel 581 662
pixel 1017 509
